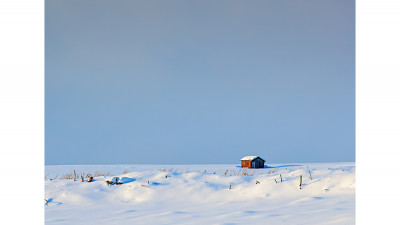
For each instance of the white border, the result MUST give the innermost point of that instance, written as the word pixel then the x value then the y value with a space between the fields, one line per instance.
pixel 377 111
pixel 22 111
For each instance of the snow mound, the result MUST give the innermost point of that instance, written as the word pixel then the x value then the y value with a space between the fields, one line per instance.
pixel 202 194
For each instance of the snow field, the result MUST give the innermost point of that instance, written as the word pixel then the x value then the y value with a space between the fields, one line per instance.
pixel 200 194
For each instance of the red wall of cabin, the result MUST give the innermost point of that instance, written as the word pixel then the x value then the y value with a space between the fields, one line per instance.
pixel 246 164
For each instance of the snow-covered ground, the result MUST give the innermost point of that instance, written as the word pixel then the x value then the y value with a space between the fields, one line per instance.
pixel 202 194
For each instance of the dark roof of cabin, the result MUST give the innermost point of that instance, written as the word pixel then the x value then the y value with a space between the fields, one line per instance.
pixel 251 158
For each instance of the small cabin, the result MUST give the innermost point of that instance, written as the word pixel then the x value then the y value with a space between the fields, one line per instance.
pixel 252 162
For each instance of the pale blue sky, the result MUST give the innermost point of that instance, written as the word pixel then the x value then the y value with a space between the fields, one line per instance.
pixel 188 82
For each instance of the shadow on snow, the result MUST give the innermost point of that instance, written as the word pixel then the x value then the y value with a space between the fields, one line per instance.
pixel 50 200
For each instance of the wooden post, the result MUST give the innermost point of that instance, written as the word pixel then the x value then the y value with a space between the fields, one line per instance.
pixel 74 175
pixel 82 178
pixel 281 177
pixel 301 181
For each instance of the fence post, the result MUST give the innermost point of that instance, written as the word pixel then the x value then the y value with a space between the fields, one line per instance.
pixel 301 181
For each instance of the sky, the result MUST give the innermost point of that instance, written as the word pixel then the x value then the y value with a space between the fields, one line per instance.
pixel 199 82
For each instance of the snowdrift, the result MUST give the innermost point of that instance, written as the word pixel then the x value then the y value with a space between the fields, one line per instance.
pixel 201 194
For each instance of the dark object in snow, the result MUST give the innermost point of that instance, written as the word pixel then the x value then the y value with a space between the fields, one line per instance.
pixel 109 182
pixel 118 181
pixel 309 171
pixel 252 162
pixel 115 180
pixel 257 182
pixel 90 179
pixel 301 181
